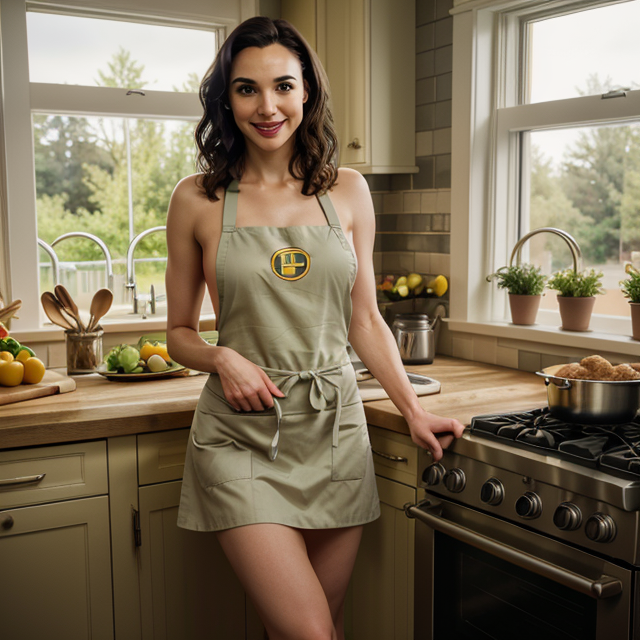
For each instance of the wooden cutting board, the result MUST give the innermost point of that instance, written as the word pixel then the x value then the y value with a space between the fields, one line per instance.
pixel 51 384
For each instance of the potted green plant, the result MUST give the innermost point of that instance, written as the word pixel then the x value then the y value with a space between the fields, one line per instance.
pixel 577 291
pixel 631 289
pixel 524 284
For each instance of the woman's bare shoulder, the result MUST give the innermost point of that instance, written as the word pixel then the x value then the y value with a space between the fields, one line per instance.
pixel 351 194
pixel 189 200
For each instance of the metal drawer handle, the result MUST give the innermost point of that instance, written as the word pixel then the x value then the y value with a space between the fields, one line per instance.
pixel 388 456
pixel 10 482
pixel 603 587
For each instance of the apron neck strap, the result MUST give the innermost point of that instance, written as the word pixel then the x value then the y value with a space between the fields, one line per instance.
pixel 329 211
pixel 230 207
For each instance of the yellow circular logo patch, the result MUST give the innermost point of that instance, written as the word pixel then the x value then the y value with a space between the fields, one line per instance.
pixel 290 263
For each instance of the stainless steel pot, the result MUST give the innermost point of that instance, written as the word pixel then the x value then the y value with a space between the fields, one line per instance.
pixel 591 401
pixel 415 337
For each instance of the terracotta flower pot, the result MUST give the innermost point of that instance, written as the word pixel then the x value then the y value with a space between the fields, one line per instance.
pixel 575 313
pixel 524 309
pixel 635 320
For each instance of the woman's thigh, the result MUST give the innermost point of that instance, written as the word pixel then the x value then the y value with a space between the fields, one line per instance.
pixel 272 563
pixel 332 553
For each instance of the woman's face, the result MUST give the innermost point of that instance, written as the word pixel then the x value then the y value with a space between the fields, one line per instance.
pixel 266 95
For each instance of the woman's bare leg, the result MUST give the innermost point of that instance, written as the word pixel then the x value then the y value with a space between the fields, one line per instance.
pixel 272 563
pixel 332 553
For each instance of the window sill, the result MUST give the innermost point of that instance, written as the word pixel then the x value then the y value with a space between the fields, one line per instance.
pixel 587 340
pixel 53 333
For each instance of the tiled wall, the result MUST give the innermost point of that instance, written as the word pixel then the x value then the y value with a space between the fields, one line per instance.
pixel 413 212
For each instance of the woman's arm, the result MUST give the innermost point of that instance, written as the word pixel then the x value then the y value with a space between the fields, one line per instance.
pixel 371 337
pixel 245 385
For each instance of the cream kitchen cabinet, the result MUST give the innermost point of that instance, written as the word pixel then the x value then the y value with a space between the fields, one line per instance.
pixel 185 585
pixel 368 50
pixel 55 557
pixel 380 604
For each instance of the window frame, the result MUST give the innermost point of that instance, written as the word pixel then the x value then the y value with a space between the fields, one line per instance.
pixel 19 276
pixel 489 54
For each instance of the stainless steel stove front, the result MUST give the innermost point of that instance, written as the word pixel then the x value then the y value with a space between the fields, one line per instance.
pixel 520 544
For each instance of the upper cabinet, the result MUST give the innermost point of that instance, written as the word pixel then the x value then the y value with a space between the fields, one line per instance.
pixel 368 50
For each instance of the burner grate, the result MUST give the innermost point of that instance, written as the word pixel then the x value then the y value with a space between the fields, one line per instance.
pixel 612 448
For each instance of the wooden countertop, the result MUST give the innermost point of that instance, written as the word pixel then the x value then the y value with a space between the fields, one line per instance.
pixel 100 408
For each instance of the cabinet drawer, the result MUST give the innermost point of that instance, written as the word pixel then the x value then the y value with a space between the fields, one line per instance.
pixel 395 456
pixel 48 474
pixel 161 456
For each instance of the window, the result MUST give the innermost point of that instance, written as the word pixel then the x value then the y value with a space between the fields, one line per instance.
pixel 552 135
pixel 102 116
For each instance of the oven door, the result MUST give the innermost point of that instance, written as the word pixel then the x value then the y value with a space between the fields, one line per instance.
pixel 479 577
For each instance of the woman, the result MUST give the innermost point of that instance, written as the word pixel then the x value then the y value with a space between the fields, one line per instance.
pixel 279 462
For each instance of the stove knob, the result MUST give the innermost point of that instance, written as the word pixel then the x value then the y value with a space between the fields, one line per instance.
pixel 455 480
pixel 529 505
pixel 567 517
pixel 492 492
pixel 433 474
pixel 600 528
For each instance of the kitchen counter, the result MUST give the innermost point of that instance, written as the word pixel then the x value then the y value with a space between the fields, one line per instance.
pixel 101 409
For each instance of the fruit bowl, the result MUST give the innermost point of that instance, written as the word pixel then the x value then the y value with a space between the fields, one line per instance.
pixel 174 370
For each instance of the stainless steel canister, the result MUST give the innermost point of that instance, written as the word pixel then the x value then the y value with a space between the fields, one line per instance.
pixel 591 401
pixel 415 337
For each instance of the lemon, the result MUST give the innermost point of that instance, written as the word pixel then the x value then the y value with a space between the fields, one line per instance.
pixel 439 285
pixel 6 356
pixel 403 290
pixel 402 280
pixel 11 374
pixel 414 280
pixel 23 356
pixel 33 370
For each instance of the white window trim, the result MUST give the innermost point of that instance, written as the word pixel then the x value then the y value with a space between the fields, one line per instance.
pixel 482 233
pixel 19 262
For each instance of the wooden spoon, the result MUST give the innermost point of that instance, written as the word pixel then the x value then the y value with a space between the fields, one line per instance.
pixel 52 308
pixel 69 305
pixel 100 304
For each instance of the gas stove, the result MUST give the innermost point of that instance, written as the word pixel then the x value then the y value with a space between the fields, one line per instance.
pixel 576 483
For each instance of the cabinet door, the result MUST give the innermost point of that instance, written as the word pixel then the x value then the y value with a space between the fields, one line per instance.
pixel 187 587
pixel 380 602
pixel 55 571
pixel 346 40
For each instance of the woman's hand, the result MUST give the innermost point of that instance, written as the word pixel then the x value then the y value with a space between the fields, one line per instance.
pixel 245 385
pixel 434 432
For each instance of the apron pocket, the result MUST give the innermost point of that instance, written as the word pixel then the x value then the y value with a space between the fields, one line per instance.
pixel 349 458
pixel 219 463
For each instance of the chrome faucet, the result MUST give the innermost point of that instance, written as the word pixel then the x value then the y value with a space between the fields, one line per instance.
pixel 574 247
pixel 131 274
pixel 55 262
pixel 99 242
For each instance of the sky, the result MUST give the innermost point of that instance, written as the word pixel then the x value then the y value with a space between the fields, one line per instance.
pixel 65 49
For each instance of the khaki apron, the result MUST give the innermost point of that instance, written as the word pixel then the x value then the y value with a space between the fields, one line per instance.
pixel 285 304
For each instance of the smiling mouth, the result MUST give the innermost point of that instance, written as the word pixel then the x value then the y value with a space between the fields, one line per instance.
pixel 268 129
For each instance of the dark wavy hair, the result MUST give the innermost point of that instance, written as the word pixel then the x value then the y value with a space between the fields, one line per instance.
pixel 221 144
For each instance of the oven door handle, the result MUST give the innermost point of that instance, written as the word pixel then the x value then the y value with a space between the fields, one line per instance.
pixel 603 587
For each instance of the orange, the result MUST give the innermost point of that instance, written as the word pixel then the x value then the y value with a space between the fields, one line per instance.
pixel 11 374
pixel 33 371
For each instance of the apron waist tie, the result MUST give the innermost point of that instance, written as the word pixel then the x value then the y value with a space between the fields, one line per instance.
pixel 317 395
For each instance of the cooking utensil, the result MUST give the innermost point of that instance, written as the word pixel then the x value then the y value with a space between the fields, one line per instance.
pixel 69 305
pixel 415 337
pixel 591 401
pixel 53 309
pixel 100 304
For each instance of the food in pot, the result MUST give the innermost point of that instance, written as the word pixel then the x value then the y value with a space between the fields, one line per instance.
pixel 598 368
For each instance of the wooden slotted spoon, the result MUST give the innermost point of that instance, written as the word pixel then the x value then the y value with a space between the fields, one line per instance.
pixel 100 304
pixel 69 305
pixel 53 309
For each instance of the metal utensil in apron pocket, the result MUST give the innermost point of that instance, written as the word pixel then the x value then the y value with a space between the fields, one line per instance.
pixel 415 337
